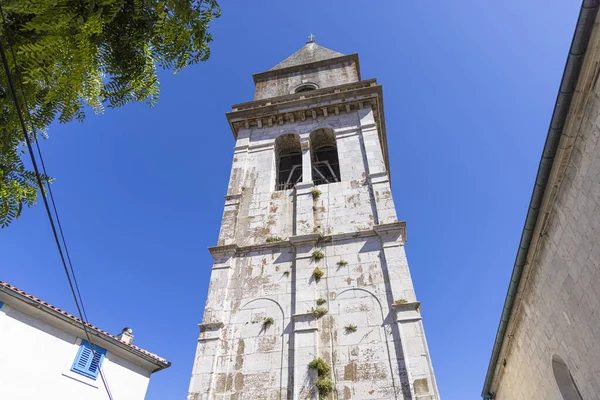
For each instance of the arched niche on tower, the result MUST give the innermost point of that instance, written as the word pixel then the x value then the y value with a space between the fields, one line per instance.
pixel 324 157
pixel 363 353
pixel 256 364
pixel 564 380
pixel 288 161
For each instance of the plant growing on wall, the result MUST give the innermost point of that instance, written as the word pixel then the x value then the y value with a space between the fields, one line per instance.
pixel 342 263
pixel 324 386
pixel 315 193
pixel 323 383
pixel 274 239
pixel 318 273
pixel 268 322
pixel 286 273
pixel 350 328
pixel 320 235
pixel 318 255
pixel 400 301
pixel 319 311
pixel 321 301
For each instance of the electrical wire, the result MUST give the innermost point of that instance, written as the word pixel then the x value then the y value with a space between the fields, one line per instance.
pixel 37 144
pixel 71 278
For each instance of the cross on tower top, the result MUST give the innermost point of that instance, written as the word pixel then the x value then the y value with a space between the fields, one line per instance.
pixel 311 38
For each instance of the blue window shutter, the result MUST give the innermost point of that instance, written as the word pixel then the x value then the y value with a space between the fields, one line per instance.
pixel 96 361
pixel 1 304
pixel 86 363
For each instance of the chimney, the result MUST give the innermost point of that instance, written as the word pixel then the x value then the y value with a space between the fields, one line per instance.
pixel 126 336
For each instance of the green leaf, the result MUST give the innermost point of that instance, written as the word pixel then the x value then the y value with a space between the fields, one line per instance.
pixel 97 53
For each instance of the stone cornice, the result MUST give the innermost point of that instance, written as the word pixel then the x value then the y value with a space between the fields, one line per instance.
pixel 210 326
pixel 248 114
pixel 210 331
pixel 350 235
pixel 233 198
pixel 228 249
pixel 240 249
pixel 271 101
pixel 408 311
pixel 409 306
pixel 395 227
pixel 302 316
pixel 379 177
pixel 392 230
pixel 315 104
pixel 305 322
pixel 304 239
pixel 218 266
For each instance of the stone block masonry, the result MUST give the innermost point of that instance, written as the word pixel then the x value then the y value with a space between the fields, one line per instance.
pixel 269 311
pixel 556 311
pixel 248 358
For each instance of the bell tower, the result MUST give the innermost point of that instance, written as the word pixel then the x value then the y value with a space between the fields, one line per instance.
pixel 310 294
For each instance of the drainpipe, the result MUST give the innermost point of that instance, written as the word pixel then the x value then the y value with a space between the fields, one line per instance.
pixel 583 30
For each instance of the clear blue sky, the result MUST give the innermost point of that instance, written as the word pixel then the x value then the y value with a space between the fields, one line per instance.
pixel 469 88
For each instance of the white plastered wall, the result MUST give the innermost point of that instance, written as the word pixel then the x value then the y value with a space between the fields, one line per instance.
pixel 36 359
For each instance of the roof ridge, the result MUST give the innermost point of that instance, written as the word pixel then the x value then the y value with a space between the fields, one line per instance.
pixel 309 53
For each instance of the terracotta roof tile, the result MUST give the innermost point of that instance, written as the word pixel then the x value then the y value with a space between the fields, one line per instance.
pixel 74 318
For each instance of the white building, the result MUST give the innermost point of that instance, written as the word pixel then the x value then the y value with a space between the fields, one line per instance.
pixel 310 269
pixel 44 355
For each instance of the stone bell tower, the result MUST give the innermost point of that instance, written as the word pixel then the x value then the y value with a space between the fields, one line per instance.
pixel 310 294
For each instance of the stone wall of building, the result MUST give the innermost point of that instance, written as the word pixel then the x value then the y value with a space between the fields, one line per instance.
pixel 327 76
pixel 254 211
pixel 268 314
pixel 247 359
pixel 353 223
pixel 558 312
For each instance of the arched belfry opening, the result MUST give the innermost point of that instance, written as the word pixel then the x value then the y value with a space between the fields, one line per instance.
pixel 566 384
pixel 324 157
pixel 288 158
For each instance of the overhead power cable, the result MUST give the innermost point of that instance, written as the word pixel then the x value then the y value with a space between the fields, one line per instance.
pixel 71 278
pixel 39 151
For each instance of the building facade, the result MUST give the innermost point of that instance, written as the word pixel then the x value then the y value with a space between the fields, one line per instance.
pixel 310 294
pixel 44 354
pixel 547 346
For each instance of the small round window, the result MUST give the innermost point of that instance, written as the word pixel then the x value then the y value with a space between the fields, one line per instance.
pixel 305 88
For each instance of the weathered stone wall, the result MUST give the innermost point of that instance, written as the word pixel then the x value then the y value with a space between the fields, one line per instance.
pixel 254 211
pixel 365 273
pixel 247 359
pixel 328 76
pixel 344 207
pixel 261 328
pixel 558 309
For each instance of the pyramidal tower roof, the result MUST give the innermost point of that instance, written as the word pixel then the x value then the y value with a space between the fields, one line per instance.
pixel 311 52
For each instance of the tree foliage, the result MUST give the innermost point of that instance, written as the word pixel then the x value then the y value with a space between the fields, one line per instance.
pixel 66 55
